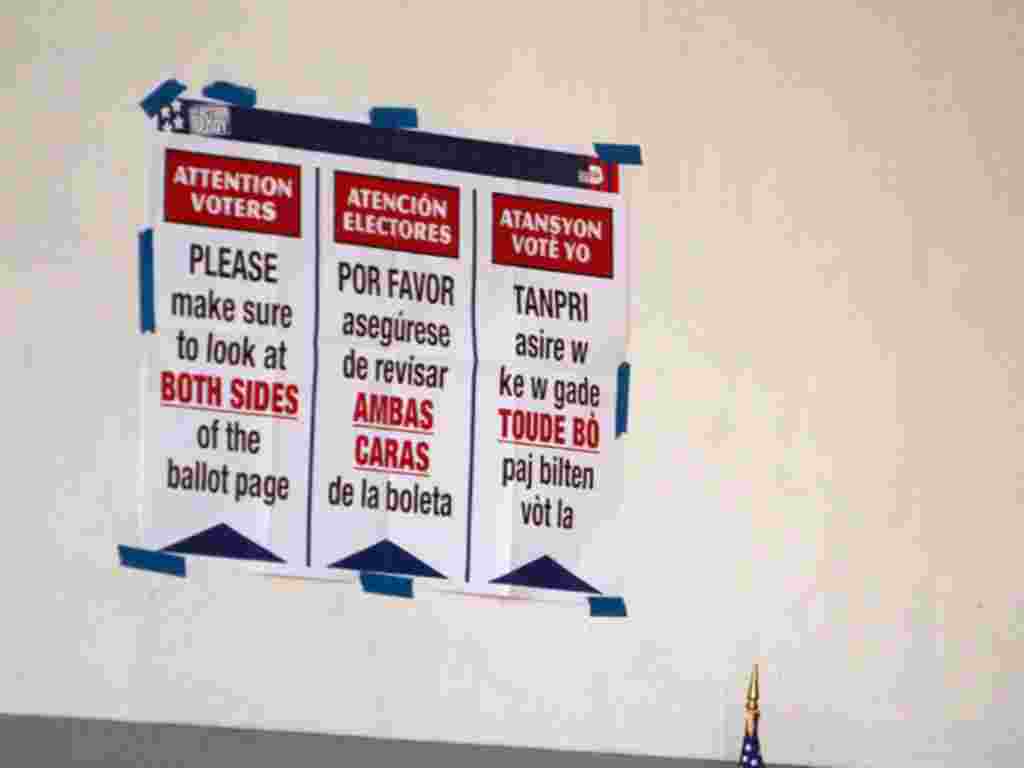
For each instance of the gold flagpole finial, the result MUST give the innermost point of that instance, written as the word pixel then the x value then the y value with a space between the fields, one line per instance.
pixel 753 696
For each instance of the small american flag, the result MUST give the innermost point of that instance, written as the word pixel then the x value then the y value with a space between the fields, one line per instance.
pixel 750 754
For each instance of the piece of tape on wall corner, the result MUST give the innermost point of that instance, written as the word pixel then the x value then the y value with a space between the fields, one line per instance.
pixel 148 560
pixel 222 90
pixel 622 400
pixel 623 154
pixel 608 607
pixel 161 96
pixel 394 117
pixel 386 584
pixel 147 307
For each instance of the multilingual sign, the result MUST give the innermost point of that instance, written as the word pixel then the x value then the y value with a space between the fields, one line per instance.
pixel 383 350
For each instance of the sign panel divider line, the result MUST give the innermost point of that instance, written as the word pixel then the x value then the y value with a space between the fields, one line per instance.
pixel 472 404
pixel 316 363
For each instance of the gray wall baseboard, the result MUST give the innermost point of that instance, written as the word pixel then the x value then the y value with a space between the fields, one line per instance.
pixel 59 741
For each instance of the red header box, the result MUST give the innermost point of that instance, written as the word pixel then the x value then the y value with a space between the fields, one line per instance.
pixel 396 215
pixel 553 236
pixel 233 193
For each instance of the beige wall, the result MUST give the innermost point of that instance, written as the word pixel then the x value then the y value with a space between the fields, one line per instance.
pixel 824 459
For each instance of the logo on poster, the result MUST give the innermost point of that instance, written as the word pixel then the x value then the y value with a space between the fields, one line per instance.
pixel 209 120
pixel 593 175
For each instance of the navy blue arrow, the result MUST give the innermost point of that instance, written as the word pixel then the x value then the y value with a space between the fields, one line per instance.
pixel 545 573
pixel 387 557
pixel 223 541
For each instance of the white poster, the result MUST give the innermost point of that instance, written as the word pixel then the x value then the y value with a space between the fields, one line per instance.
pixel 383 351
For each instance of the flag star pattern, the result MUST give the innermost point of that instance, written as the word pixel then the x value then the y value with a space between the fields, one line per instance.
pixel 172 118
pixel 751 755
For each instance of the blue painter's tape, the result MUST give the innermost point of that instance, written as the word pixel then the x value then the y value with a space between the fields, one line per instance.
pixel 613 607
pixel 222 90
pixel 161 96
pixel 623 154
pixel 147 308
pixel 146 560
pixel 394 117
pixel 386 584
pixel 622 401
